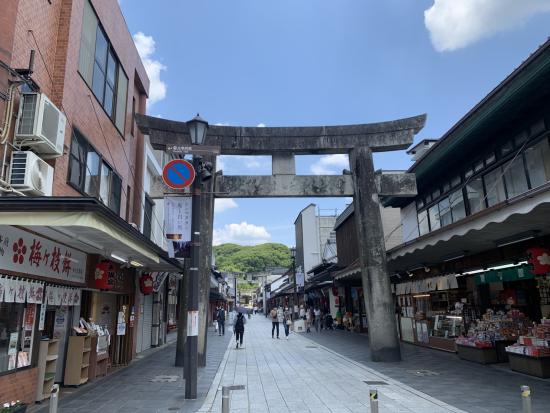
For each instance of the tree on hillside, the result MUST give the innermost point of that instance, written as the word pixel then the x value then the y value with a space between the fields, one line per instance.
pixel 247 259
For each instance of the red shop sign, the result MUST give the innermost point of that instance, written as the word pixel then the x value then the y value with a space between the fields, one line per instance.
pixel 104 275
pixel 146 284
pixel 539 259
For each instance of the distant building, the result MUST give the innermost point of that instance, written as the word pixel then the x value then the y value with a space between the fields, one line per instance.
pixel 313 233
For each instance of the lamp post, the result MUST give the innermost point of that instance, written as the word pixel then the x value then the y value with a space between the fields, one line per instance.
pixel 197 130
pixel 293 257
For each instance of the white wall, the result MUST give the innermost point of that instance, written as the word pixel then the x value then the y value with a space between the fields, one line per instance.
pixel 153 168
pixel 410 222
pixel 311 242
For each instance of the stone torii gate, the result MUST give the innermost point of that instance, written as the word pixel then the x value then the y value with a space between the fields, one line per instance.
pixel 364 184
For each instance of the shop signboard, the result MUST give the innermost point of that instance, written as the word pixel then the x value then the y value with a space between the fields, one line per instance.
pixel 177 226
pixel 24 252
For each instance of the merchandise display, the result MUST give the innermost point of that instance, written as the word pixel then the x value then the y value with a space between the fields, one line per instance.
pixel 535 343
pixel 495 327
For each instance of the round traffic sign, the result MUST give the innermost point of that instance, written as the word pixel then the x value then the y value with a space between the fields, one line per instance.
pixel 178 174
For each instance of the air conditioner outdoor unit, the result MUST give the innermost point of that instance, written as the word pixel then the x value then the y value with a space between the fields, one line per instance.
pixel 30 174
pixel 40 126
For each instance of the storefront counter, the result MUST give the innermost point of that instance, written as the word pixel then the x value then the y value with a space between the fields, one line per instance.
pixel 441 343
pixel 477 355
pixel 534 366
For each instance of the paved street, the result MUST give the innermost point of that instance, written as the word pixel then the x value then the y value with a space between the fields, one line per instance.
pixel 469 386
pixel 299 376
pixel 149 385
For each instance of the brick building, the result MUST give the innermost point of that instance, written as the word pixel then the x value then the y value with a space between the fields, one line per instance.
pixel 71 81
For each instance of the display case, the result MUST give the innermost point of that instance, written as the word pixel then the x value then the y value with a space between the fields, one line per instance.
pixel 447 326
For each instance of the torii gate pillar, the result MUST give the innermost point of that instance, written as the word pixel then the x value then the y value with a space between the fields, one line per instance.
pixel 383 340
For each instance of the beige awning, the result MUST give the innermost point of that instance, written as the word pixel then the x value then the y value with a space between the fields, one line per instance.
pixel 90 233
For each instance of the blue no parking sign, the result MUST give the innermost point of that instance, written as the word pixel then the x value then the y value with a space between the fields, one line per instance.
pixel 178 174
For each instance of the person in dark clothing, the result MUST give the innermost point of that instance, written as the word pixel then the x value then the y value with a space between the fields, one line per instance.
pixel 220 317
pixel 274 322
pixel 238 328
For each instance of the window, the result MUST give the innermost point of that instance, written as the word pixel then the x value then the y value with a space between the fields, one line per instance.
pixel 456 181
pixel 478 166
pixel 128 202
pixel 15 337
pixel 446 187
pixel 445 216
pixel 458 210
pixel 423 224
pixel 133 125
pixel 101 69
pixel 435 194
pixel 537 158
pixel 420 203
pixel 494 185
pixel 515 177
pixel 506 148
pixel 91 175
pixel 469 172
pixel 148 214
pixel 433 214
pixel 490 158
pixel 474 193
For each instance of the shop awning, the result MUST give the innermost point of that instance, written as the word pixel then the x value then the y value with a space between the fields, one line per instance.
pixel 352 271
pixel 87 225
pixel 503 275
pixel 477 233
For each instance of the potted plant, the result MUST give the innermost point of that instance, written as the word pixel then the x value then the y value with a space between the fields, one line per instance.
pixel 13 407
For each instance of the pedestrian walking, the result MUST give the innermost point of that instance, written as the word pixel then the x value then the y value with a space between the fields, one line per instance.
pixel 220 317
pixel 274 322
pixel 317 314
pixel 238 329
pixel 309 317
pixel 287 322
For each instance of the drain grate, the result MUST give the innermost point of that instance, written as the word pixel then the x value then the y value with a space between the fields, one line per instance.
pixel 423 373
pixel 164 379
pixel 375 383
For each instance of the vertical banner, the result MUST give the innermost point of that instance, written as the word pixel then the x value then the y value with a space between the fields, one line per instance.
pixel 177 225
pixel 192 323
pixel 300 281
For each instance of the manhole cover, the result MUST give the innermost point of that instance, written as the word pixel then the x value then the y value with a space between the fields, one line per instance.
pixel 375 383
pixel 164 379
pixel 423 372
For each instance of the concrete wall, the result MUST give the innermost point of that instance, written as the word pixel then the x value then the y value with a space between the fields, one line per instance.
pixel 311 244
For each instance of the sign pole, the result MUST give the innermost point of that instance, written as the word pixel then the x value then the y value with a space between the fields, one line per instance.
pixel 191 350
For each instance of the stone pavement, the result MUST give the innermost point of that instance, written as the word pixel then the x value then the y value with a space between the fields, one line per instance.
pixel 466 385
pixel 300 376
pixel 149 385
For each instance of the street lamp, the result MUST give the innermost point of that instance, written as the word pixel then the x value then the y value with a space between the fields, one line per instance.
pixel 293 257
pixel 197 130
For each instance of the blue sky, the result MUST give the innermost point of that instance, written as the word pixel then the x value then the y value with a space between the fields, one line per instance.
pixel 324 62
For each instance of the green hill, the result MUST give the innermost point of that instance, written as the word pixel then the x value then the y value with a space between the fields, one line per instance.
pixel 247 259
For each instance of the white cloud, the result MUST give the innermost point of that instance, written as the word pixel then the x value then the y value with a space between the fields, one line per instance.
pixel 146 48
pixel 248 161
pixel 454 24
pixel 330 165
pixel 243 233
pixel 261 125
pixel 223 204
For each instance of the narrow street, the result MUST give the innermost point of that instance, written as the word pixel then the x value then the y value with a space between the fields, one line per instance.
pixel 297 375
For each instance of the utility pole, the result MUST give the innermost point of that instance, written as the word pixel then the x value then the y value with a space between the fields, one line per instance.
pixel 191 362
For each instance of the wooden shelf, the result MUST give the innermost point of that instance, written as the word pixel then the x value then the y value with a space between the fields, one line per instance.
pixel 51 357
pixel 47 364
pixel 84 366
pixel 83 380
pixel 78 360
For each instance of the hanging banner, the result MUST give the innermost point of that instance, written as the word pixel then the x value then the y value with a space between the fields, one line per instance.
pixel 177 226
pixel 158 279
pixel 27 253
pixel 300 279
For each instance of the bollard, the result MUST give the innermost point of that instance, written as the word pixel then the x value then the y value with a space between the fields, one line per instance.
pixel 373 400
pixel 526 399
pixel 54 398
pixel 226 396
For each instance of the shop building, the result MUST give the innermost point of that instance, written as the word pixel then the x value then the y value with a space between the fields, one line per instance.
pixel 476 237
pixel 73 167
